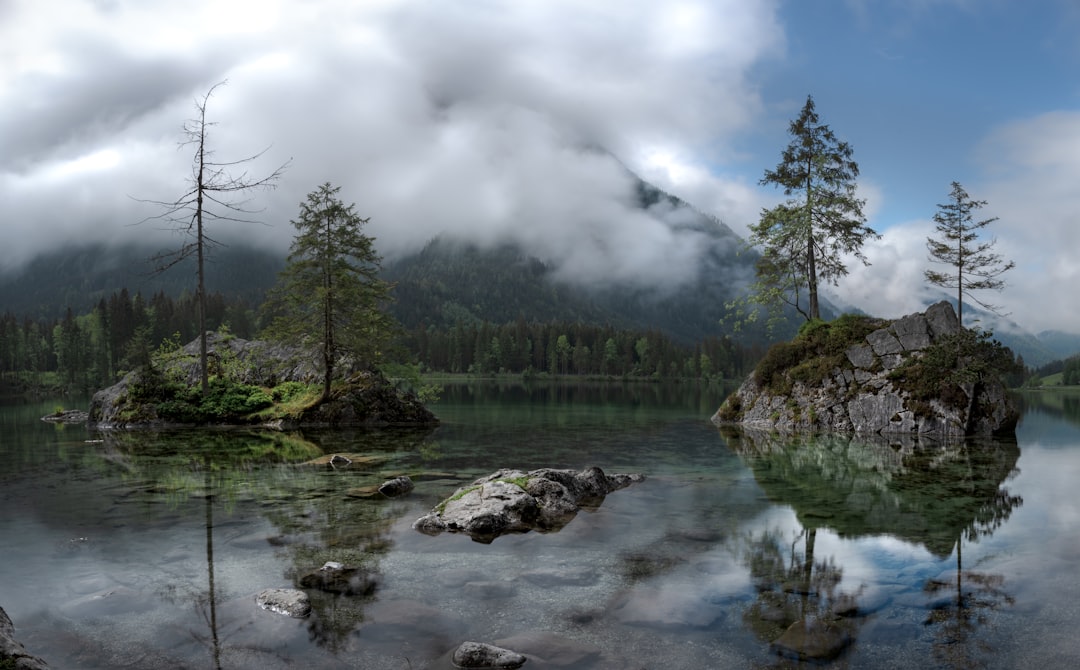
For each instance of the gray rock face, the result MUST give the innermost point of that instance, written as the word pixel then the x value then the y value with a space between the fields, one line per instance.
pixel 860 396
pixel 483 655
pixel 290 602
pixel 511 501
pixel 12 653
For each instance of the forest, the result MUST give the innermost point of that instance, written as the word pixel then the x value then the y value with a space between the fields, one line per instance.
pixel 85 352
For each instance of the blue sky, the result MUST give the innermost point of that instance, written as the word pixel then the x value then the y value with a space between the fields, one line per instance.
pixel 470 116
pixel 918 87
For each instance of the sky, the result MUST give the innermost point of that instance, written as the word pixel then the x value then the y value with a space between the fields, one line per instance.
pixel 515 120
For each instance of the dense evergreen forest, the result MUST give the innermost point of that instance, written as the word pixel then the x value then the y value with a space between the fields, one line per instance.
pixel 84 352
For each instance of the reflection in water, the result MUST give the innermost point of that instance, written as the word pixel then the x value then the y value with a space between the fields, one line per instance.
pixel 938 495
pixel 1058 403
pixel 315 522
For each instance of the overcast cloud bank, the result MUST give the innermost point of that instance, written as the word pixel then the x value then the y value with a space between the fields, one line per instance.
pixel 508 120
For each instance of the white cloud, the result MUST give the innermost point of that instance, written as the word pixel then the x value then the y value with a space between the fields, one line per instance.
pixel 467 116
pixel 893 284
pixel 1031 185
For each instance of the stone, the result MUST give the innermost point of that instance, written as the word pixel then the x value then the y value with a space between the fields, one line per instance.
pixel 334 577
pixel 941 320
pixel 861 356
pixel 813 639
pixel 883 342
pixel 398 486
pixel 912 331
pixel 12 653
pixel 483 655
pixel 511 501
pixel 290 602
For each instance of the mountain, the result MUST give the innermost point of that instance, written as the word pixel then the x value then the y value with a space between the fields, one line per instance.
pixel 78 276
pixel 454 280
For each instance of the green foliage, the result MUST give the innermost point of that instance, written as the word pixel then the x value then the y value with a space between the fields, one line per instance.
pixel 965 357
pixel 330 293
pixel 805 239
pixel 223 401
pixel 975 268
pixel 406 376
pixel 818 349
pixel 289 391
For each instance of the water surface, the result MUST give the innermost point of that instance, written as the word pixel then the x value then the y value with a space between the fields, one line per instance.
pixel 147 549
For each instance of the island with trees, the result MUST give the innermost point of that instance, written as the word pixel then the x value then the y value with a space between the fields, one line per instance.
pixel 924 374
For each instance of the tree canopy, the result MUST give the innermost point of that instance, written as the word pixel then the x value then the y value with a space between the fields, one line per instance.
pixel 330 295
pixel 806 239
pixel 974 266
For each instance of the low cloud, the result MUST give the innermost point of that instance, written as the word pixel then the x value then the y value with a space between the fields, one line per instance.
pixel 491 121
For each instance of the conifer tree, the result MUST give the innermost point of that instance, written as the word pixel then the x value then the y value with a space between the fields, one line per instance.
pixel 805 239
pixel 975 267
pixel 330 295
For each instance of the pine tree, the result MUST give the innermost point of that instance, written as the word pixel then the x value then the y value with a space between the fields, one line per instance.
pixel 975 267
pixel 805 239
pixel 330 295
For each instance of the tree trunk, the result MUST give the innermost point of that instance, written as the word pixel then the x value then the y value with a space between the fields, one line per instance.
pixel 201 291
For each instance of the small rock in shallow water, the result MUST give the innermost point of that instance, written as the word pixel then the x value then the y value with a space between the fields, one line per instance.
pixel 482 655
pixel 396 487
pixel 290 602
pixel 813 640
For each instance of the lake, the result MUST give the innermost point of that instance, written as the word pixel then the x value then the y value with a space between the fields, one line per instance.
pixel 146 550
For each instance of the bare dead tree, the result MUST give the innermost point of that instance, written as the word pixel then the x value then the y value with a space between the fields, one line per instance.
pixel 211 198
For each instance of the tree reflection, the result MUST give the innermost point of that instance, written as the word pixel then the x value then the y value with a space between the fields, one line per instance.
pixel 304 500
pixel 938 495
pixel 799 608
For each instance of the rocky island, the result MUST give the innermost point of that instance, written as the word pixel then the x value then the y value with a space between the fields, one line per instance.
pixel 252 383
pixel 922 375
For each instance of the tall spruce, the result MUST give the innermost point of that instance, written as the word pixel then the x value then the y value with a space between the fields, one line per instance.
pixel 330 296
pixel 974 266
pixel 211 198
pixel 806 239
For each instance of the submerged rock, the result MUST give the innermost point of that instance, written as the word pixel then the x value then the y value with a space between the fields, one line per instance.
pixel 511 501
pixel 483 655
pixel 813 639
pixel 334 577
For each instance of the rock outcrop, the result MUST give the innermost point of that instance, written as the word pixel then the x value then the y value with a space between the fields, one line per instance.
pixel 872 385
pixel 363 398
pixel 12 653
pixel 512 501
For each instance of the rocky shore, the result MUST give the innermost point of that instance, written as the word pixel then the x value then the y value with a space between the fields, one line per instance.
pixel 872 376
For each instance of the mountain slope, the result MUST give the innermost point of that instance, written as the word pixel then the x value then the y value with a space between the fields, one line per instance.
pixel 79 276
pixel 453 280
